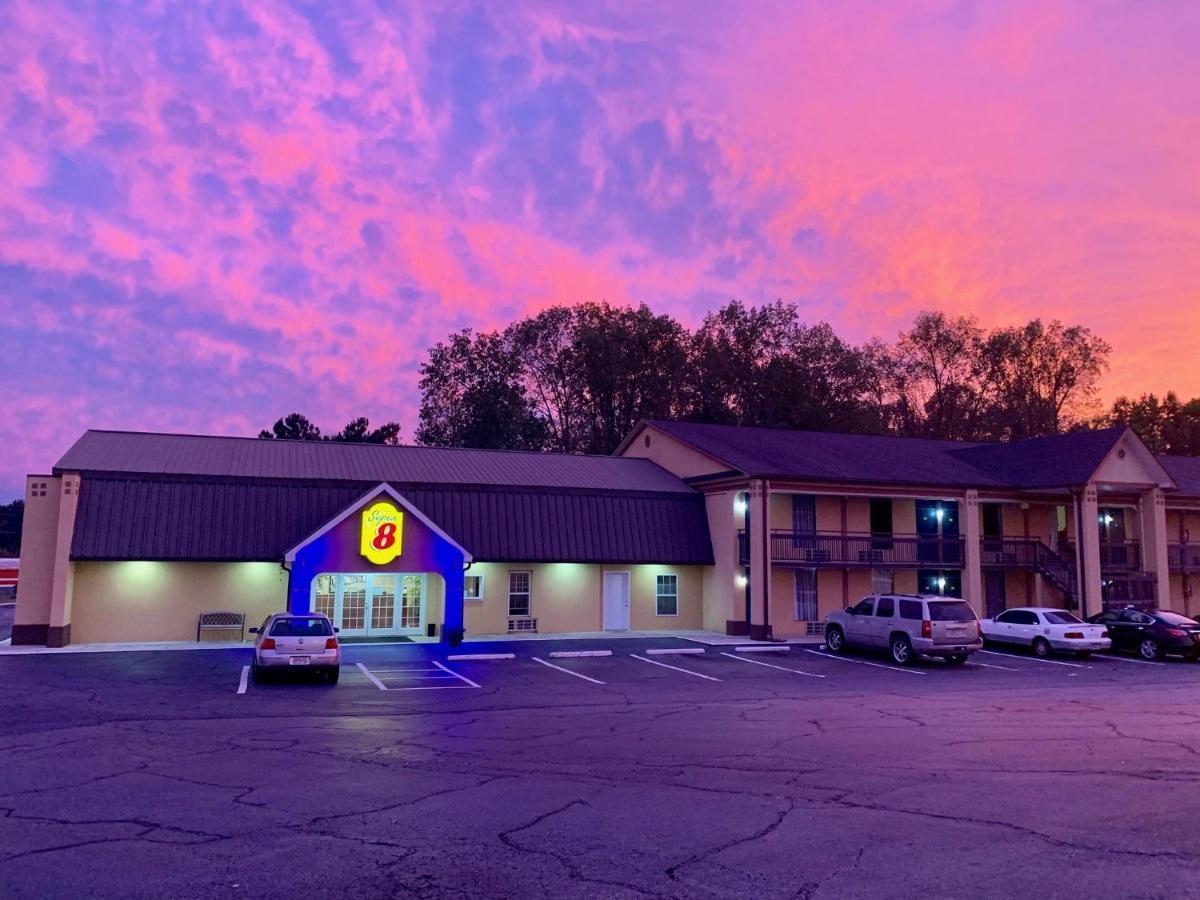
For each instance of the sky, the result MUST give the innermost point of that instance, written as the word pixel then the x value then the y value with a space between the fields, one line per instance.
pixel 216 213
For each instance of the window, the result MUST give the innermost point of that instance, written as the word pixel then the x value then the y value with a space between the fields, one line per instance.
pixel 886 608
pixel 1062 618
pixel 883 581
pixel 325 594
pixel 950 611
pixel 806 595
pixel 910 609
pixel 863 607
pixel 1008 617
pixel 472 587
pixel 301 628
pixel 1024 617
pixel 666 595
pixel 518 593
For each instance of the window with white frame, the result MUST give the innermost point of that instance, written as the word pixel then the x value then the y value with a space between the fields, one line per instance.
pixel 519 593
pixel 806 595
pixel 472 587
pixel 666 594
pixel 883 581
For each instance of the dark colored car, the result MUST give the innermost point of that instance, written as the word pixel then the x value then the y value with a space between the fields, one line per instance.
pixel 1152 634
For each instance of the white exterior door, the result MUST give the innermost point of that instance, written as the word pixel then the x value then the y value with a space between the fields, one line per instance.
pixel 616 601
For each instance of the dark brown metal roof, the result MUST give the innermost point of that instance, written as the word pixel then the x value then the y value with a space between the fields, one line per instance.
pixel 154 518
pixel 123 452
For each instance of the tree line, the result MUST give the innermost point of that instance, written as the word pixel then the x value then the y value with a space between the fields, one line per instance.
pixel 576 379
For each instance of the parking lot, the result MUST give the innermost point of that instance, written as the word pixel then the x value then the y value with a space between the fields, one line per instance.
pixel 708 773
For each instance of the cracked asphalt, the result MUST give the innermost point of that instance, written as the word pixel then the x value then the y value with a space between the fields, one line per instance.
pixel 148 775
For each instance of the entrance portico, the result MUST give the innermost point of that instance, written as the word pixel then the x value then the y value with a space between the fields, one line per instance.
pixel 381 568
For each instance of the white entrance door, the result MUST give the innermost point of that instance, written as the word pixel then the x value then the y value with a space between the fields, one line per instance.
pixel 616 601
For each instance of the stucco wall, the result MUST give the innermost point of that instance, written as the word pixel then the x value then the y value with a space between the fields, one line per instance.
pixel 671 454
pixel 153 601
pixel 38 538
pixel 568 597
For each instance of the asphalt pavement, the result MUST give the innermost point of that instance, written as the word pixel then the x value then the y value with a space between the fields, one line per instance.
pixel 171 774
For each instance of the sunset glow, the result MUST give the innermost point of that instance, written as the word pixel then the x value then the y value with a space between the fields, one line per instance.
pixel 212 215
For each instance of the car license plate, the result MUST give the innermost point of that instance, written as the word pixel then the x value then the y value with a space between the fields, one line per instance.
pixel 298 661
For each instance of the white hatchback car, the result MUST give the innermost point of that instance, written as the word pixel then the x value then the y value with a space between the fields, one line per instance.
pixel 1045 630
pixel 306 641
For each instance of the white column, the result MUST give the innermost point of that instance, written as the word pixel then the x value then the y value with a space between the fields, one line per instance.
pixel 63 581
pixel 1087 522
pixel 972 582
pixel 1153 515
pixel 760 563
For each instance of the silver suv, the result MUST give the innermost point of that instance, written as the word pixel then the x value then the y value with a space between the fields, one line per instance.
pixel 908 626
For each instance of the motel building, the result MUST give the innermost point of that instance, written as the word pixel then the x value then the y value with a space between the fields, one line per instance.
pixel 748 531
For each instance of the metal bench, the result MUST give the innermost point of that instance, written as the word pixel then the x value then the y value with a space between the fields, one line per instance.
pixel 222 621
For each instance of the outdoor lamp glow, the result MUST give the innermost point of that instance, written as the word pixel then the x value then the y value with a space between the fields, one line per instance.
pixel 739 504
pixel 740 580
pixel 941 582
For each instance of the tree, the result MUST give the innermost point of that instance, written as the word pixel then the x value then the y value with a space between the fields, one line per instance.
pixel 297 427
pixel 1041 378
pixel 473 395
pixel 12 516
pixel 762 366
pixel 1166 425
pixel 294 427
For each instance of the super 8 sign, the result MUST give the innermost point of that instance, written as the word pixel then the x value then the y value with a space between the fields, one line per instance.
pixel 382 529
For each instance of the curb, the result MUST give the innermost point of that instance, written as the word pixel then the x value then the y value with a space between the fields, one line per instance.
pixel 571 654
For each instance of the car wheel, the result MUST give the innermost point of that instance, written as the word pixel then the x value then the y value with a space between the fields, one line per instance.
pixel 332 675
pixel 256 673
pixel 957 660
pixel 1041 648
pixel 835 640
pixel 1148 649
pixel 902 651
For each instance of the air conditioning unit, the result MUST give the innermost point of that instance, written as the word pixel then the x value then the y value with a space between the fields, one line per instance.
pixel 524 623
pixel 813 554
pixel 870 556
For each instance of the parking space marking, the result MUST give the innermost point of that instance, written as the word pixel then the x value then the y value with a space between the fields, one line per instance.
pixel 462 678
pixel 568 671
pixel 371 678
pixel 756 662
pixel 243 679
pixel 863 662
pixel 1053 662
pixel 1144 662
pixel 655 662
pixel 990 666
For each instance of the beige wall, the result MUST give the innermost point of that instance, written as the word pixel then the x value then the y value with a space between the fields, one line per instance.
pixel 672 455
pixel 723 599
pixel 153 601
pixel 38 540
pixel 568 597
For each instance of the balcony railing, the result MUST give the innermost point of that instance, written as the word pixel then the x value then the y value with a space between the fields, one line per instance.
pixel 1134 590
pixel 1184 558
pixel 854 549
pixel 1115 556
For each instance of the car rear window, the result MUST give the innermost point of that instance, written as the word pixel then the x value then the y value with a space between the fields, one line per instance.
pixel 1170 618
pixel 910 609
pixel 301 628
pixel 943 611
pixel 1061 618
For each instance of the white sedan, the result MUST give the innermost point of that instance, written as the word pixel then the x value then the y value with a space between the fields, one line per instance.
pixel 1045 630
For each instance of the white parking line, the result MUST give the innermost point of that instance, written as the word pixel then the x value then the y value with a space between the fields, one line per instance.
pixel 242 681
pixel 655 662
pixel 1144 662
pixel 1053 662
pixel 863 662
pixel 756 662
pixel 463 678
pixel 375 681
pixel 568 671
pixel 987 666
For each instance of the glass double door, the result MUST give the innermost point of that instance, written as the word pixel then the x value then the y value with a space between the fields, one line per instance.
pixel 371 605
